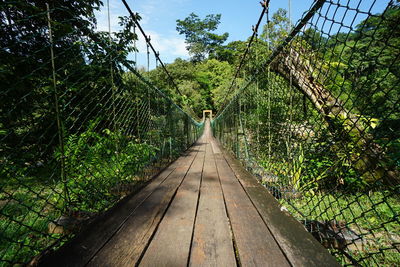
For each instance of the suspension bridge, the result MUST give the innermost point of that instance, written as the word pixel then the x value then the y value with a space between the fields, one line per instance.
pixel 298 167
pixel 203 210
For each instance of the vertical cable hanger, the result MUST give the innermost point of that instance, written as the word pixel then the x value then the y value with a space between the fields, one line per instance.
pixel 148 54
pixel 113 88
pixel 269 90
pixel 60 127
pixel 148 69
pixel 257 98
pixel 264 5
pixel 150 46
pixel 109 40
pixel 158 54
pixel 290 84
pixel 138 134
pixel 134 44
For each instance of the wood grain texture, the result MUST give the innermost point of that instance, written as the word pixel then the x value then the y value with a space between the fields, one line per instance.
pixel 170 245
pixel 256 246
pixel 81 249
pixel 196 212
pixel 212 240
pixel 299 246
pixel 127 245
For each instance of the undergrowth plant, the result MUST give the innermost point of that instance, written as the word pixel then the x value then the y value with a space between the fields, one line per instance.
pixel 99 163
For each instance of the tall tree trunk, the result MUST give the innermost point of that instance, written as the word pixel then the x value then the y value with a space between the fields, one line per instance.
pixel 371 161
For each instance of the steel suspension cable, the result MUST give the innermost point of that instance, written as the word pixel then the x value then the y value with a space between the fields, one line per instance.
pixel 156 54
pixel 265 6
pixel 315 7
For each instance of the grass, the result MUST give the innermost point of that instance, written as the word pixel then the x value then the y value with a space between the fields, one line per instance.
pixel 24 223
pixel 26 211
pixel 372 216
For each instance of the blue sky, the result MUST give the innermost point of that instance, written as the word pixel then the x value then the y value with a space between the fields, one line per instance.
pixel 159 19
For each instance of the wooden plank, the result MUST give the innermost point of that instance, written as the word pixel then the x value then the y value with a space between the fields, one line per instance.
pixel 170 245
pixel 212 239
pixel 263 235
pixel 255 244
pixel 81 249
pixel 300 247
pixel 127 245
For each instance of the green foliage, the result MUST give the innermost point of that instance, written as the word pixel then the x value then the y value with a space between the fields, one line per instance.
pixel 361 213
pixel 215 76
pixel 231 52
pixel 97 163
pixel 362 69
pixel 199 34
pixel 203 84
pixel 323 133
pixel 82 66
pixel 275 31
pixel 20 242
pixel 79 135
pixel 269 119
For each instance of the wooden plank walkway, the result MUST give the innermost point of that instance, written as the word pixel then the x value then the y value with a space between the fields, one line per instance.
pixel 203 210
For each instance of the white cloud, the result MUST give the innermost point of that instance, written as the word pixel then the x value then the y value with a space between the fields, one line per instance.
pixel 169 44
pixel 116 9
pixel 165 44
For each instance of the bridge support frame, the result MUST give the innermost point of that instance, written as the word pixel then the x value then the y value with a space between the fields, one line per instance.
pixel 209 111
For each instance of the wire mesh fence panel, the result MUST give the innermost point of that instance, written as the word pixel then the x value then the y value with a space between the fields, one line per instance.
pixel 318 122
pixel 80 127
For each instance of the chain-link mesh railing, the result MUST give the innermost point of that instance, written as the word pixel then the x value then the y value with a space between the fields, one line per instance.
pixel 319 123
pixel 79 127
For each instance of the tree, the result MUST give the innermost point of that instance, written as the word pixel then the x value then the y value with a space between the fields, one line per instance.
pixel 199 36
pixel 26 102
pixel 366 75
pixel 82 66
pixel 231 52
pixel 277 29
pixel 215 77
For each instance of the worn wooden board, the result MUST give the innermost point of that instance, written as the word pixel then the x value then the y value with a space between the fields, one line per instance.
pixel 299 246
pixel 81 249
pixel 197 212
pixel 255 244
pixel 171 243
pixel 127 245
pixel 212 239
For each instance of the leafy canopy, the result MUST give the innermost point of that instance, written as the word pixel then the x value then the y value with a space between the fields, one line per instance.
pixel 199 36
pixel 277 29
